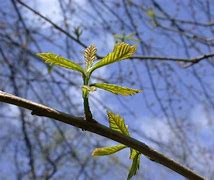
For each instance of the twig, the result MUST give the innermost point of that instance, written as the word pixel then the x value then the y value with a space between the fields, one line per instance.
pixel 52 23
pixel 192 60
pixel 42 110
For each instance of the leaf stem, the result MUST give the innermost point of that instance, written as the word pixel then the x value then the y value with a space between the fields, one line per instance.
pixel 85 93
pixel 88 114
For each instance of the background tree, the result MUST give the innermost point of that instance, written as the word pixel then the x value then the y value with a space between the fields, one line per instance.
pixel 173 66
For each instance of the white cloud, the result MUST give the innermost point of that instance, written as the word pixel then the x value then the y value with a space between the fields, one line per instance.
pixel 13 112
pixel 198 117
pixel 202 123
pixel 198 122
pixel 157 128
pixel 50 9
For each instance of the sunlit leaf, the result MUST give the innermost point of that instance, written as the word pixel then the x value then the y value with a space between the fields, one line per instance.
pixel 116 89
pixel 133 153
pixel 117 123
pixel 135 166
pixel 108 150
pixel 121 51
pixel 54 59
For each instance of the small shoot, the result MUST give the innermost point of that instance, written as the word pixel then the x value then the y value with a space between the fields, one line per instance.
pixel 116 123
pixel 120 52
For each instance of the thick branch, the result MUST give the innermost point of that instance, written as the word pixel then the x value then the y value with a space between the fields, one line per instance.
pixel 42 110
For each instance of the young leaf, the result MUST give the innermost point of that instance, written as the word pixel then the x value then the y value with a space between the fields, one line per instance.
pixel 54 59
pixel 116 89
pixel 133 153
pixel 90 55
pixel 135 166
pixel 117 123
pixel 108 150
pixel 121 51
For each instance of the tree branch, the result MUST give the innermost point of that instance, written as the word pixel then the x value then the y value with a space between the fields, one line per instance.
pixel 79 122
pixel 192 60
pixel 52 23
pixel 161 58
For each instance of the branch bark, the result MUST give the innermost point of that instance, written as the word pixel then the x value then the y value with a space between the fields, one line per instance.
pixel 79 122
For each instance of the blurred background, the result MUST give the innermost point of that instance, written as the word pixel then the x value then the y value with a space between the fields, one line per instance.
pixel 174 114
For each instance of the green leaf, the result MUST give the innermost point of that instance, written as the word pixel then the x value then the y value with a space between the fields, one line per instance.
pixel 54 59
pixel 117 123
pixel 108 150
pixel 133 153
pixel 121 51
pixel 135 166
pixel 116 89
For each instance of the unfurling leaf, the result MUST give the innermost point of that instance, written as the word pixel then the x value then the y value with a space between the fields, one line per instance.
pixel 90 55
pixel 116 89
pixel 117 123
pixel 135 166
pixel 121 51
pixel 108 150
pixel 54 59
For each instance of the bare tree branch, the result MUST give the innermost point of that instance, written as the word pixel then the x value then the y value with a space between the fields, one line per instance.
pixel 53 24
pixel 187 60
pixel 42 110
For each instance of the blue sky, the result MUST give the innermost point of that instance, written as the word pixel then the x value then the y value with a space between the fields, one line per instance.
pixel 194 113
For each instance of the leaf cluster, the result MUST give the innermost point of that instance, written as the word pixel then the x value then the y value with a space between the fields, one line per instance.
pixel 120 52
pixel 116 122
